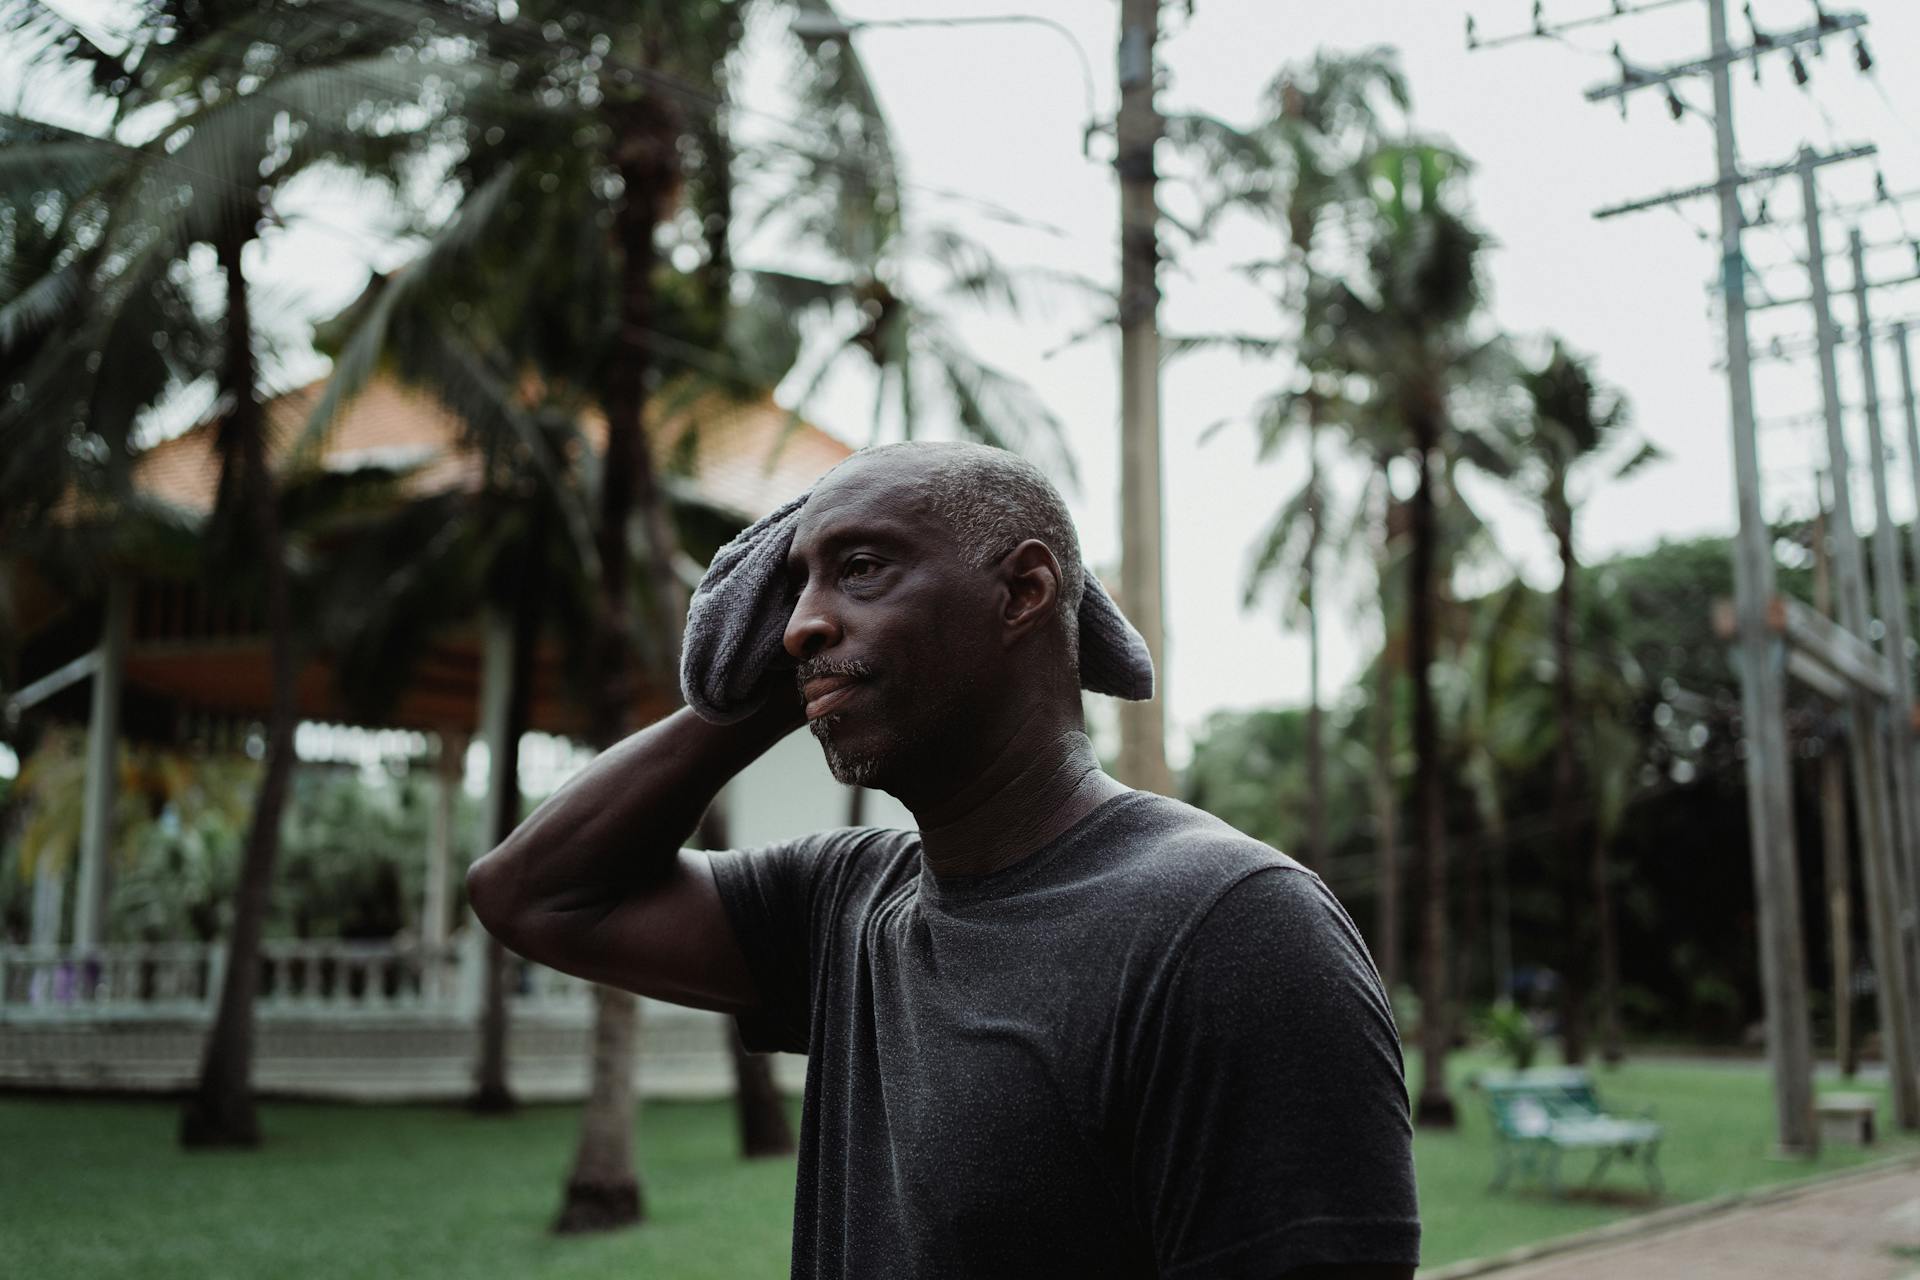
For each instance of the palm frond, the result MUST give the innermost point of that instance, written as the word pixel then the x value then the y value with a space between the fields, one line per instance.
pixel 372 327
pixel 1175 345
pixel 999 410
pixel 1647 453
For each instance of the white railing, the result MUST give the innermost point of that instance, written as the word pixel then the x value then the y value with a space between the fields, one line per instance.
pixel 171 980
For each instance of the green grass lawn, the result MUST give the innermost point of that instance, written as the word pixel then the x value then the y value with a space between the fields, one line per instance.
pixel 1719 1139
pixel 98 1189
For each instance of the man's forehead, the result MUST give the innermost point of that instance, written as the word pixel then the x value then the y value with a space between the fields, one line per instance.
pixel 863 495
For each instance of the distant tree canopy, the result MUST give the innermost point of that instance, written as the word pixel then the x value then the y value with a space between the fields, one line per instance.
pixel 1681 864
pixel 355 851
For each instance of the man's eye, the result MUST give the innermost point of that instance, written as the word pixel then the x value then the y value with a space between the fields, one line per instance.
pixel 860 567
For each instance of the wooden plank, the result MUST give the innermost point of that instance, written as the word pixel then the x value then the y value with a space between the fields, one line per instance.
pixel 1843 652
pixel 1819 650
pixel 1817 676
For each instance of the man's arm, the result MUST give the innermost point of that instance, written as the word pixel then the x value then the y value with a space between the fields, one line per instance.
pixel 1273 1135
pixel 595 882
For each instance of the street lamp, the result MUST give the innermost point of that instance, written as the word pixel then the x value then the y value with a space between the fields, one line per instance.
pixel 814 28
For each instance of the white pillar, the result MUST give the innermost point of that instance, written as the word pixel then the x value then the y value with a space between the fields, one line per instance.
pixel 49 899
pixel 496 688
pixel 103 764
pixel 449 769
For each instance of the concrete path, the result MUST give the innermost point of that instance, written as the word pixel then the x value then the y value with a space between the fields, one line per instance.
pixel 1860 1228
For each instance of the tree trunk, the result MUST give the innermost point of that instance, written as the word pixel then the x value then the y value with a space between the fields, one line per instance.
pixel 1473 924
pixel 1434 1107
pixel 1500 904
pixel 764 1127
pixel 603 1190
pixel 492 1090
pixel 220 1111
pixel 1575 935
pixel 1386 799
pixel 1316 734
pixel 1611 1050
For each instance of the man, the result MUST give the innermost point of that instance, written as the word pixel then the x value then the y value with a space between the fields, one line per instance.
pixel 1064 1029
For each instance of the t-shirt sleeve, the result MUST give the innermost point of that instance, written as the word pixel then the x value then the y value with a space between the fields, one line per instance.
pixel 772 898
pixel 1273 1129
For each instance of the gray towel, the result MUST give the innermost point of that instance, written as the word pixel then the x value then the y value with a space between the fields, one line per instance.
pixel 740 609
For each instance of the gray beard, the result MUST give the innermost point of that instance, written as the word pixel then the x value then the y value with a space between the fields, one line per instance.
pixel 852 770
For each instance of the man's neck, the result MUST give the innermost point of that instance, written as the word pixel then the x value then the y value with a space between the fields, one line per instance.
pixel 1042 782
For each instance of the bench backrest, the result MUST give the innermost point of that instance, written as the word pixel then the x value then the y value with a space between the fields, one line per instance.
pixel 1525 1104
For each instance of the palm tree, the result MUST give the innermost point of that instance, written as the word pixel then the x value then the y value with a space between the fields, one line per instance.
pixel 215 107
pixel 1400 328
pixel 884 302
pixel 1299 169
pixel 1572 421
pixel 585 136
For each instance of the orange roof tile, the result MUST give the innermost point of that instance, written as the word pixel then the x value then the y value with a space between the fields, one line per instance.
pixel 745 457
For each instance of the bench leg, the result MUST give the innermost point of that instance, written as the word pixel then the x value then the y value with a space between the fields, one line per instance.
pixel 1553 1172
pixel 1503 1166
pixel 1649 1154
pixel 1530 1162
pixel 1600 1166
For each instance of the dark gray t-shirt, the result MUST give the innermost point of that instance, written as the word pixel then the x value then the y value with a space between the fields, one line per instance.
pixel 1154 1047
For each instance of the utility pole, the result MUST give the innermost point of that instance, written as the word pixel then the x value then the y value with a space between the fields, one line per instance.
pixel 1833 842
pixel 1890 584
pixel 1762 671
pixel 1760 646
pixel 1873 805
pixel 1143 731
pixel 1913 429
pixel 1763 620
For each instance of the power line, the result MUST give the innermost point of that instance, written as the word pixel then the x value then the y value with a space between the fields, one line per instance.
pixel 1736 179
pixel 1633 79
pixel 1801 346
pixel 1544 30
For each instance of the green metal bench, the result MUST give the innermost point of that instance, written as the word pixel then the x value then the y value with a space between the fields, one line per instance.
pixel 1539 1116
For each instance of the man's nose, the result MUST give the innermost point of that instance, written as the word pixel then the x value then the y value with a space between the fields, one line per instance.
pixel 810 629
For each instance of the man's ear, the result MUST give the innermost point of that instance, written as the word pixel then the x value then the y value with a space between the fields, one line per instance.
pixel 1031 575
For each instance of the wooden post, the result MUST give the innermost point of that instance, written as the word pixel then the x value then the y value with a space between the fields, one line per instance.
pixel 1905 358
pixel 1872 804
pixel 1890 586
pixel 1833 845
pixel 1783 968
pixel 103 769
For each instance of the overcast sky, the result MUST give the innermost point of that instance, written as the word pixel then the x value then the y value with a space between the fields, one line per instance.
pixel 997 113
pixel 990 119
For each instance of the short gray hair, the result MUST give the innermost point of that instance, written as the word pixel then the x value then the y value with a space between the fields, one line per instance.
pixel 993 501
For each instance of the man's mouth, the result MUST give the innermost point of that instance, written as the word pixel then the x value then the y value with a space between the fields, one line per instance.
pixel 824 694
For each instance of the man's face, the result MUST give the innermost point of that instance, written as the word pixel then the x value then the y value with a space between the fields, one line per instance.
pixel 891 629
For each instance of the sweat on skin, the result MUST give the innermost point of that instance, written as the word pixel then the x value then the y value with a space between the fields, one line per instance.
pixel 1065 1028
